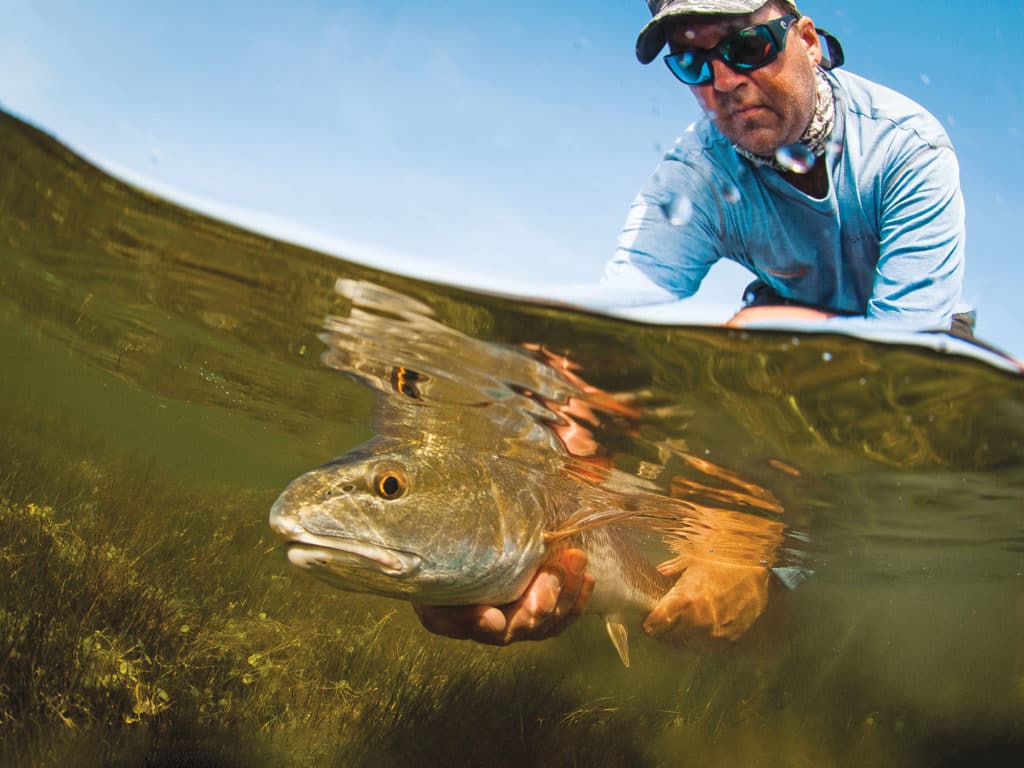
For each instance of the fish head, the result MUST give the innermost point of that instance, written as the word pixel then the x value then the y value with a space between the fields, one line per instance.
pixel 408 520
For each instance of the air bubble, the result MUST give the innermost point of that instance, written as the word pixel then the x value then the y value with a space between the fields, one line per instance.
pixel 679 211
pixel 796 158
pixel 826 356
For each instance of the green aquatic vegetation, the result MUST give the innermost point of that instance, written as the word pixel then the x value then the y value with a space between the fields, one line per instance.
pixel 79 625
pixel 138 617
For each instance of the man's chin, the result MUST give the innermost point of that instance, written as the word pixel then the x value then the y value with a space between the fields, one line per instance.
pixel 760 141
pixel 760 130
pixel 765 146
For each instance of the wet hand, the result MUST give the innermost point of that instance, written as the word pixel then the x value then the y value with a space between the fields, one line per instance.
pixel 711 599
pixel 766 315
pixel 552 601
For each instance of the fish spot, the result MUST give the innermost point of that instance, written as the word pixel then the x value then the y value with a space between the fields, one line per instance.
pixel 406 381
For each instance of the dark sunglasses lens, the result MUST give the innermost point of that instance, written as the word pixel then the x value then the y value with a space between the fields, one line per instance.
pixel 690 67
pixel 750 49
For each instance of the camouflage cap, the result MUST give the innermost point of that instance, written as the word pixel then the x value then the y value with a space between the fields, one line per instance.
pixel 652 36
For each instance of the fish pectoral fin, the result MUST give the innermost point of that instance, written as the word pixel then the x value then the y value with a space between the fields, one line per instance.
pixel 620 637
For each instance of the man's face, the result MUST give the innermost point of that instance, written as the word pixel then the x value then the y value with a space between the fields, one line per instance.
pixel 763 109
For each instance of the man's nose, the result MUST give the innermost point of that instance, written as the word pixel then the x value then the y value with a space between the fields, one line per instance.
pixel 726 78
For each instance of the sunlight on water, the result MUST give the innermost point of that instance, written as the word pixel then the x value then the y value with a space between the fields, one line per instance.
pixel 169 376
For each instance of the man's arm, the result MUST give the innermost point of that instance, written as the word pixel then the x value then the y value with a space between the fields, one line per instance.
pixel 921 236
pixel 672 231
pixel 919 274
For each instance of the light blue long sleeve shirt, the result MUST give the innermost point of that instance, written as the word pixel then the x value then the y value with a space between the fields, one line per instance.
pixel 887 242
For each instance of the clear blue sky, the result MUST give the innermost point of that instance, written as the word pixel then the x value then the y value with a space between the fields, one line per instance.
pixel 505 139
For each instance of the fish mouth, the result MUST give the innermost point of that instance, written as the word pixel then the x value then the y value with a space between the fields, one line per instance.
pixel 342 555
pixel 337 553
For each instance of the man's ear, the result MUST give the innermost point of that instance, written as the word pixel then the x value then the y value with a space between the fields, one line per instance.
pixel 809 35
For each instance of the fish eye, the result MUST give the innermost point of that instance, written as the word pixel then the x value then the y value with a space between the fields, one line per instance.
pixel 389 485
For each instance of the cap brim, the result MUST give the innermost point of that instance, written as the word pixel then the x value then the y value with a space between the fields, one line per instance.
pixel 652 37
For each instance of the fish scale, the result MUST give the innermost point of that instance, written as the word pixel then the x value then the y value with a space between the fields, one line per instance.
pixel 472 534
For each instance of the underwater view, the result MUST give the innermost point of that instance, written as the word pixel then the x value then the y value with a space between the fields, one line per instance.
pixel 171 587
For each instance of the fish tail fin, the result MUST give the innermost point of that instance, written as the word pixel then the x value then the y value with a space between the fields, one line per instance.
pixel 619 636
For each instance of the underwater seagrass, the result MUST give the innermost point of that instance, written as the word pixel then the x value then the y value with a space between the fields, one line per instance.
pixel 479 473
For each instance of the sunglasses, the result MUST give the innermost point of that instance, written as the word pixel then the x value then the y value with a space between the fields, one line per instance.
pixel 743 51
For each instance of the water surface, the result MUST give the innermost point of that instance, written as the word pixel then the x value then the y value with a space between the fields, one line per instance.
pixel 163 382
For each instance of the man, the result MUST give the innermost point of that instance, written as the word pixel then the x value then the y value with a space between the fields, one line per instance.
pixel 840 195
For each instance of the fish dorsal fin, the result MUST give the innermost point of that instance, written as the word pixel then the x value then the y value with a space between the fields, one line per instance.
pixel 620 637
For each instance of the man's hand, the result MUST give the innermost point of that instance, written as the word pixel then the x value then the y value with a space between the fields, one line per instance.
pixel 552 601
pixel 771 314
pixel 716 599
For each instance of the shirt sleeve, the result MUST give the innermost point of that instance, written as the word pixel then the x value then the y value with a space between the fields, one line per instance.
pixel 672 231
pixel 919 275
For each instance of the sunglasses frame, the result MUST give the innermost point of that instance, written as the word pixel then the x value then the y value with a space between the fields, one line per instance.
pixel 778 32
